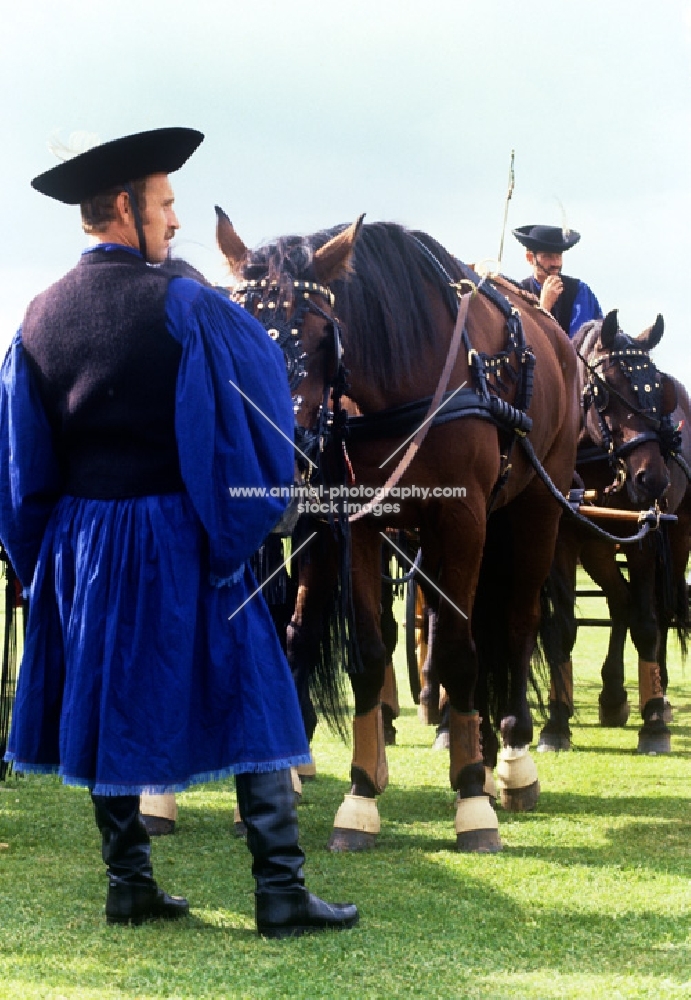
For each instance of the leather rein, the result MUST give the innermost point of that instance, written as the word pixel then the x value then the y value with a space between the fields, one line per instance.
pixel 282 312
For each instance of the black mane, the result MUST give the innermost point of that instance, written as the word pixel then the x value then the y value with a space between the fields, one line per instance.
pixel 385 303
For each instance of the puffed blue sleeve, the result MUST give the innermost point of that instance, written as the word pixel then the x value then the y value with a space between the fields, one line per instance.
pixel 234 423
pixel 29 470
pixel 585 308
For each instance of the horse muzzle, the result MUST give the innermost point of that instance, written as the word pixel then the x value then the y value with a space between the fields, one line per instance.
pixel 648 484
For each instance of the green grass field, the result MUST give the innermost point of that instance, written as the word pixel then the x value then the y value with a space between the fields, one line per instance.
pixel 589 898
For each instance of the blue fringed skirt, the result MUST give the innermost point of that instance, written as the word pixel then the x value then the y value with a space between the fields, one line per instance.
pixel 138 674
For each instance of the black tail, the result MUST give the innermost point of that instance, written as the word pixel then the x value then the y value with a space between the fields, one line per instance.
pixel 318 676
pixel 271 571
pixel 324 655
pixel 8 672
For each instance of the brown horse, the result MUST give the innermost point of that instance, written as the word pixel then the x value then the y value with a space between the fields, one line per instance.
pixel 635 420
pixel 406 306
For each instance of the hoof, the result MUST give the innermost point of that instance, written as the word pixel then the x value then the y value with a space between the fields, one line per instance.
pixel 342 841
pixel 476 825
pixel 479 842
pixel 654 737
pixel 553 742
pixel 158 826
pixel 614 717
pixel 518 800
pixel 517 780
pixel 442 740
pixel 655 742
pixel 356 824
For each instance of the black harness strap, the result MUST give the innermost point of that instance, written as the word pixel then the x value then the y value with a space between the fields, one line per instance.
pixel 511 419
pixel 649 520
pixel 397 421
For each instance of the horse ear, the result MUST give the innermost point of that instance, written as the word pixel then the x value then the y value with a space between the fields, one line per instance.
pixel 229 243
pixel 653 335
pixel 333 260
pixel 609 330
pixel 669 395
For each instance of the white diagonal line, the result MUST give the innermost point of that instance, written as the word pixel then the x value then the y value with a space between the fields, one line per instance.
pixel 259 410
pixel 272 575
pixel 431 416
pixel 423 575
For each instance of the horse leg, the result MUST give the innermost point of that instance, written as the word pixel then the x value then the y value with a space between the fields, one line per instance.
pixel 434 702
pixel 389 693
pixel 429 709
pixel 674 612
pixel 654 735
pixel 599 561
pixel 357 821
pixel 526 539
pixel 441 735
pixel 455 661
pixel 558 633
pixel 488 738
pixel 668 712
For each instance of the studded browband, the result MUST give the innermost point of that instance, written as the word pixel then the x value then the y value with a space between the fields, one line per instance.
pixel 306 287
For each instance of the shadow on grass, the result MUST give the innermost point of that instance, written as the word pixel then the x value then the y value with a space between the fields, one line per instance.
pixel 422 821
pixel 415 893
pixel 677 752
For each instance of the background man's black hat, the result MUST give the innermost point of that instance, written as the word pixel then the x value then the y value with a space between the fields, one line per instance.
pixel 546 239
pixel 159 151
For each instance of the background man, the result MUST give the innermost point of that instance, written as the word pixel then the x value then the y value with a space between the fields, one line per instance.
pixel 571 301
pixel 147 666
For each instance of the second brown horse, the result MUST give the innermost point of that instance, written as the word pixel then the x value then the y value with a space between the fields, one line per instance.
pixel 487 523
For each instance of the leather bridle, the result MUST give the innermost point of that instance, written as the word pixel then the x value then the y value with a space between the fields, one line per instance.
pixel 281 307
pixel 646 385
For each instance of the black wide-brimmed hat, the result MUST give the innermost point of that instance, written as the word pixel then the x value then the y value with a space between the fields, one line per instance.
pixel 158 151
pixel 546 239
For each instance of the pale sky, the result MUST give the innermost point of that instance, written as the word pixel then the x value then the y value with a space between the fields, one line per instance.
pixel 315 111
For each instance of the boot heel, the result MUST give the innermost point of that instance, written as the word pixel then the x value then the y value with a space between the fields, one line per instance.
pixel 285 913
pixel 137 904
pixel 283 907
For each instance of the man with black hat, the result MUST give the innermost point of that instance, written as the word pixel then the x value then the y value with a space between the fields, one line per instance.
pixel 148 662
pixel 571 302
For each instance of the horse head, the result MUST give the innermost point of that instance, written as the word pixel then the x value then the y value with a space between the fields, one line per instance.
pixel 285 285
pixel 627 405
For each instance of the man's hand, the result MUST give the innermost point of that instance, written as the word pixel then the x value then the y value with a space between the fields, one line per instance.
pixel 551 290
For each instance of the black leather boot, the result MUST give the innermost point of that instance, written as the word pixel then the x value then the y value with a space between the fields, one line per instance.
pixel 133 895
pixel 283 906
